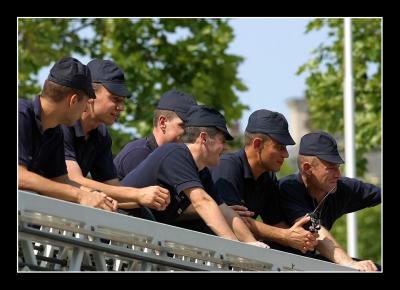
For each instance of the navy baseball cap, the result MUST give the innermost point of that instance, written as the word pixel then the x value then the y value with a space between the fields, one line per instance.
pixel 271 123
pixel 322 145
pixel 178 102
pixel 71 73
pixel 110 75
pixel 203 116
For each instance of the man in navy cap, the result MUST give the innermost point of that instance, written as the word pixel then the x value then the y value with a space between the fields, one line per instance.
pixel 41 163
pixel 88 143
pixel 246 181
pixel 177 167
pixel 168 126
pixel 318 188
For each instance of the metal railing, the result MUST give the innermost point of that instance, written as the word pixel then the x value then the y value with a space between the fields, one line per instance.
pixel 55 235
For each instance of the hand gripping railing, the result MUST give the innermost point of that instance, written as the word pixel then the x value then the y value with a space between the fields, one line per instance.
pixel 55 235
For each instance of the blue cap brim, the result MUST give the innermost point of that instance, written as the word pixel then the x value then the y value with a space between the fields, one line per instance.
pixel 228 136
pixel 117 89
pixel 181 115
pixel 284 139
pixel 336 159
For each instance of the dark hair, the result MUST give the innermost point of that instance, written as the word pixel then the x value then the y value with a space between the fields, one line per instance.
pixel 157 113
pixel 58 92
pixel 249 137
pixel 96 86
pixel 191 133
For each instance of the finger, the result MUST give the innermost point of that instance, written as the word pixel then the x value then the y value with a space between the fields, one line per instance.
pixel 109 201
pixel 115 205
pixel 156 206
pixel 372 266
pixel 302 221
pixel 106 207
pixel 163 190
pixel 245 213
pixel 160 201
pixel 309 248
pixel 238 207
pixel 164 196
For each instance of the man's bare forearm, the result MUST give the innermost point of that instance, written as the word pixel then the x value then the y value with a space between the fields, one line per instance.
pixel 31 181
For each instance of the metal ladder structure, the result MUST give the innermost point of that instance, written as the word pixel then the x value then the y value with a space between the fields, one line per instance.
pixel 55 235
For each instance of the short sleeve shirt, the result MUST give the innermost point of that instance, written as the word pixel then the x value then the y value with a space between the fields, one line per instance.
pixel 94 154
pixel 351 195
pixel 171 166
pixel 41 152
pixel 133 154
pixel 235 183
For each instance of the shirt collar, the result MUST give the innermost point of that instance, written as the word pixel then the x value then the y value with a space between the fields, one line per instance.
pixel 152 142
pixel 246 166
pixel 78 129
pixel 37 109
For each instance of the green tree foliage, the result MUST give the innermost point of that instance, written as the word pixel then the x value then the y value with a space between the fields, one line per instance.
pixel 155 54
pixel 369 235
pixel 324 94
pixel 285 170
pixel 40 43
pixel 324 91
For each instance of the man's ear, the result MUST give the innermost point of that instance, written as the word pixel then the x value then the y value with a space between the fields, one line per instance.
pixel 203 137
pixel 307 168
pixel 257 143
pixel 89 105
pixel 72 99
pixel 162 120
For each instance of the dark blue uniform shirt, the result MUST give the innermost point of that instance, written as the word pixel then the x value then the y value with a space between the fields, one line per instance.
pixel 171 166
pixel 351 195
pixel 41 152
pixel 94 154
pixel 235 183
pixel 133 154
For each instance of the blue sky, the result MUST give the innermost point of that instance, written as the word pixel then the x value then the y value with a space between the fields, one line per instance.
pixel 273 50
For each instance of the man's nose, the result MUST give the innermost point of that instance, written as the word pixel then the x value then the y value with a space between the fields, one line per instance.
pixel 285 153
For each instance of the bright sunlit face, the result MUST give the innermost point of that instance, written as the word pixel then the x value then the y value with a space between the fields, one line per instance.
pixel 214 148
pixel 272 155
pixel 107 107
pixel 326 174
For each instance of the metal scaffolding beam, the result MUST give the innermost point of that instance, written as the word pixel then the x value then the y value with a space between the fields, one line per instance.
pixel 56 235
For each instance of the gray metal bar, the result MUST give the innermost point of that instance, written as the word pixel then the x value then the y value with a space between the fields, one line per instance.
pixel 77 256
pixel 27 251
pixel 160 237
